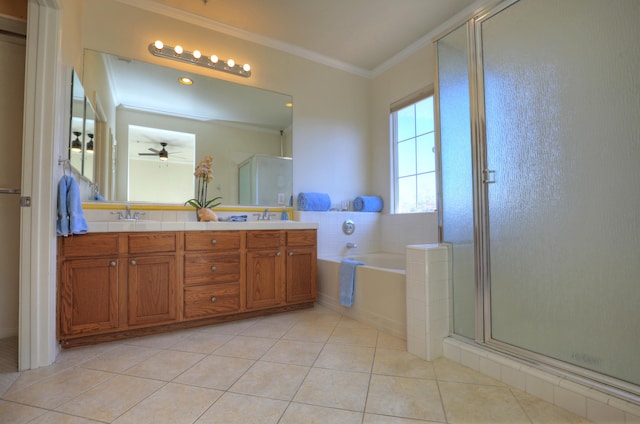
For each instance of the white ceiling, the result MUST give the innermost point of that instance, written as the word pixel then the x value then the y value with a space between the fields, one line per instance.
pixel 359 34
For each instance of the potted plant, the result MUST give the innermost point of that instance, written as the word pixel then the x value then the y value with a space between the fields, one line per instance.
pixel 204 175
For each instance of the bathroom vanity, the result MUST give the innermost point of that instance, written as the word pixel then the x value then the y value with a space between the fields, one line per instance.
pixel 119 284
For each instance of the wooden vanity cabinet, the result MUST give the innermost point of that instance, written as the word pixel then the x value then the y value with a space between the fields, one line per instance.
pixel 212 273
pixel 302 271
pixel 89 280
pixel 265 269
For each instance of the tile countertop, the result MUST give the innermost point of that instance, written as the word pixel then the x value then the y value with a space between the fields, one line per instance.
pixel 149 225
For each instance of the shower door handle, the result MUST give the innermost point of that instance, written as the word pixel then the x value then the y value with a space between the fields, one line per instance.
pixel 489 176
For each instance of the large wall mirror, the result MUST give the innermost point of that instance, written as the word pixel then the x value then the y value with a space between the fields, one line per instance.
pixel 157 129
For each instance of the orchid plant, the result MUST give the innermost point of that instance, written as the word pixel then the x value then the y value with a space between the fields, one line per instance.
pixel 204 176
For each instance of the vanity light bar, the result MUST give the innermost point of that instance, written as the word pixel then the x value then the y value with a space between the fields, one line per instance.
pixel 196 58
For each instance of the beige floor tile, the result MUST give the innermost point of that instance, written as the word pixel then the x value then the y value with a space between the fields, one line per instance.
pixel 165 365
pixel 233 328
pixel 174 403
pixel 335 389
pixel 7 379
pixel 80 354
pixel 266 329
pixel 29 377
pixel 59 388
pixel 293 352
pixel 120 358
pixel 385 419
pixel 52 417
pixel 447 370
pixel 272 380
pixel 234 408
pixel 298 413
pixel 401 364
pixel 405 397
pixel 347 322
pixel 475 403
pixel 11 412
pixel 197 342
pixel 387 341
pixel 367 337
pixel 109 400
pixel 346 358
pixel 541 412
pixel 157 341
pixel 309 332
pixel 245 347
pixel 215 372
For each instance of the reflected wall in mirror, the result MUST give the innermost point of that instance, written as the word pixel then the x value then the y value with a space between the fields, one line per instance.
pixel 82 130
pixel 145 105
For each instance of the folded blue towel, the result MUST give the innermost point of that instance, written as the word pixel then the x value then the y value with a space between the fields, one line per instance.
pixel 70 215
pixel 347 276
pixel 368 204
pixel 237 218
pixel 314 202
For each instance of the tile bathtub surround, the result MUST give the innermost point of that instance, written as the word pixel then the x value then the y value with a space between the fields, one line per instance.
pixel 310 366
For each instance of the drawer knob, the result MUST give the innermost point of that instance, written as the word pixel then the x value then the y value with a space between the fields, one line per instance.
pixel 112 263
pixel 214 241
pixel 278 254
pixel 290 253
pixel 133 262
pixel 213 299
pixel 213 268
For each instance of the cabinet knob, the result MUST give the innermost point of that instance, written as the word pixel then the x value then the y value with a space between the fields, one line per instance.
pixel 112 263
pixel 214 241
pixel 278 254
pixel 290 253
pixel 133 262
pixel 213 299
pixel 213 268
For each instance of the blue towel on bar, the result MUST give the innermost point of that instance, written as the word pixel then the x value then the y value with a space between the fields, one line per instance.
pixel 368 204
pixel 314 202
pixel 347 277
pixel 70 215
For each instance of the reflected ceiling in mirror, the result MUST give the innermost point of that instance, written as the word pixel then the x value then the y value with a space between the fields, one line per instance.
pixel 232 122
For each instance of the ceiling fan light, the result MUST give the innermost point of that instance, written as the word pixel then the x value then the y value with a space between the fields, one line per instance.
pixel 76 145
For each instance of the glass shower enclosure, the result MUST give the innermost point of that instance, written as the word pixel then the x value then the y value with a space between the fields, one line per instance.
pixel 539 105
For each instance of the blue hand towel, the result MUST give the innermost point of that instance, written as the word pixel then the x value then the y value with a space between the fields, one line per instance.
pixel 70 216
pixel 314 202
pixel 368 204
pixel 238 218
pixel 347 276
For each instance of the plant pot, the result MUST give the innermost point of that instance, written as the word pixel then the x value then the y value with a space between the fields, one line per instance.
pixel 206 215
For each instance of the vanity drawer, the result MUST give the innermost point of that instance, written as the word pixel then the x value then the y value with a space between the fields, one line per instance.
pixel 212 240
pixel 211 299
pixel 89 245
pixel 301 238
pixel 264 239
pixel 152 243
pixel 211 268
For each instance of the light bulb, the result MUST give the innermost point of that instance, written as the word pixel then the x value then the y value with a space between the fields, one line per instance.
pixel 197 54
pixel 178 49
pixel 246 67
pixel 214 58
pixel 159 45
pixel 231 63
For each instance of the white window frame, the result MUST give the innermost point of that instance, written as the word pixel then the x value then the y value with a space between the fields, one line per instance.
pixel 409 100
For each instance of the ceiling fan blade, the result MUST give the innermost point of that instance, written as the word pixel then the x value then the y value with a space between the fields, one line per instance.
pixel 154 150
pixel 148 154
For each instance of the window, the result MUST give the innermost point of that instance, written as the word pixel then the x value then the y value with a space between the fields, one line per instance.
pixel 413 139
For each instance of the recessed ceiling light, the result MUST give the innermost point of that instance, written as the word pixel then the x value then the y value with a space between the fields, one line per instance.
pixel 185 80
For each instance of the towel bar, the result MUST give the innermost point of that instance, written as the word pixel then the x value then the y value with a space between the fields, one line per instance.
pixel 9 191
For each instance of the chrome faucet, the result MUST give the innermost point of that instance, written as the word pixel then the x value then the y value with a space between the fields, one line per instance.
pixel 351 245
pixel 127 213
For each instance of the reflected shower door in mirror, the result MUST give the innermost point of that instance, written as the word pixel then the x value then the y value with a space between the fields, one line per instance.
pixel 228 121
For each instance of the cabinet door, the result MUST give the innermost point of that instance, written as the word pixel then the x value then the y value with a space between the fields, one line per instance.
pixel 301 274
pixel 88 296
pixel 264 279
pixel 152 290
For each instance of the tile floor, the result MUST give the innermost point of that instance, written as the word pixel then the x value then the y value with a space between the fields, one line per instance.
pixel 310 366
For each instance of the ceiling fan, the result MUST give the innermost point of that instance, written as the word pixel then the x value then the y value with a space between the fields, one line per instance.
pixel 163 154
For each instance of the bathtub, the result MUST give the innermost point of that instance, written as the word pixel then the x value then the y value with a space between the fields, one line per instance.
pixel 379 291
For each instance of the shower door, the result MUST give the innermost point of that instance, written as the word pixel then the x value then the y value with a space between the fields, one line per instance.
pixel 561 172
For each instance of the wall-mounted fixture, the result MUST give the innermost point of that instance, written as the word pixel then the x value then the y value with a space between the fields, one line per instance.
pixel 196 58
pixel 76 145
